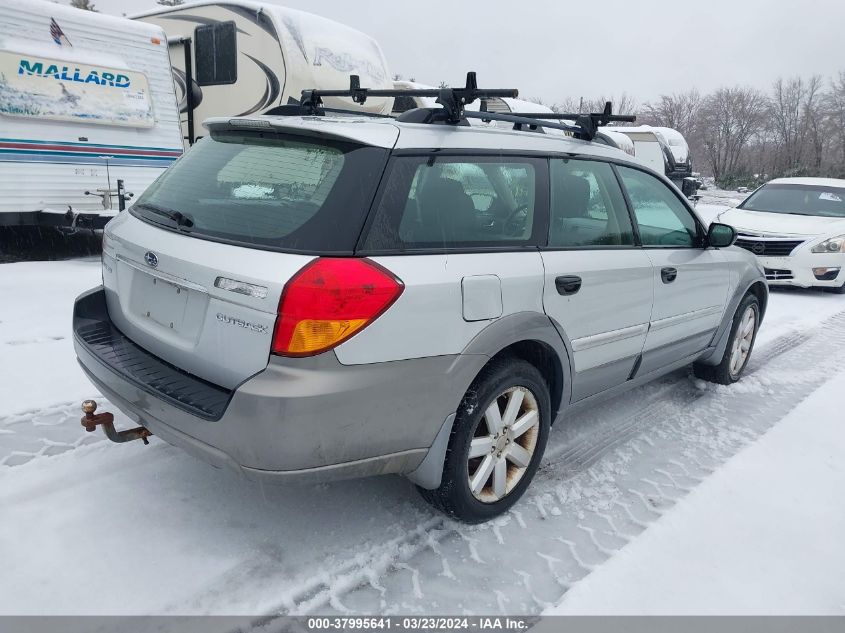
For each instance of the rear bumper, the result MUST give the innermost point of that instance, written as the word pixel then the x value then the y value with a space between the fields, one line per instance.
pixel 311 419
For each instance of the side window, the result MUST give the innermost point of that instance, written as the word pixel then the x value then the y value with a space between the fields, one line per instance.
pixel 587 206
pixel 456 203
pixel 662 218
pixel 216 54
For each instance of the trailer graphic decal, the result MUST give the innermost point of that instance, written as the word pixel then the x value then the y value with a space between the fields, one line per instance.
pixel 24 150
pixel 66 91
pixel 345 63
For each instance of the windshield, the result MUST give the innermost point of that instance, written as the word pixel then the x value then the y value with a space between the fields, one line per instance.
pixel 798 199
pixel 268 190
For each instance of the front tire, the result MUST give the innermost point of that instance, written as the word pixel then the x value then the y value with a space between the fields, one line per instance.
pixel 497 442
pixel 744 328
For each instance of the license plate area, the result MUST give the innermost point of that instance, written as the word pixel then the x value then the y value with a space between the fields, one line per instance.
pixel 161 301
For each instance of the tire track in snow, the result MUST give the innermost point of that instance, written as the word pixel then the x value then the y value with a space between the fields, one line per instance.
pixel 592 489
pixel 590 497
pixel 43 432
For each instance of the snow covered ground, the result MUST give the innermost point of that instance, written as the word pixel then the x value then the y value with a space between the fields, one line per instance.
pixel 628 490
pixel 760 536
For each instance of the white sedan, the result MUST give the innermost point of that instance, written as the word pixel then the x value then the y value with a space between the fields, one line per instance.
pixel 796 227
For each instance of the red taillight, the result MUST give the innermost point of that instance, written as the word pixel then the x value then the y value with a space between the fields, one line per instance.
pixel 328 301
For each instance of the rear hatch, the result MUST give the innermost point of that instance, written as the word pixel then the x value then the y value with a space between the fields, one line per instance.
pixel 194 272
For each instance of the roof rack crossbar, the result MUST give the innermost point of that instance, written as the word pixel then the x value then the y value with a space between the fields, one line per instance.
pixel 453 100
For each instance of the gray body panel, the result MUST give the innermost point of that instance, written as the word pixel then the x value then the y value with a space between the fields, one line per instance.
pixel 688 310
pixel 300 414
pixel 606 321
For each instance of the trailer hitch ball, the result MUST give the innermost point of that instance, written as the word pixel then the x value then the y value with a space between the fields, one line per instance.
pixel 91 420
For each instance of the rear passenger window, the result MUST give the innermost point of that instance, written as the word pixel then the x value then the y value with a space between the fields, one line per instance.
pixel 456 203
pixel 587 206
pixel 216 54
pixel 662 219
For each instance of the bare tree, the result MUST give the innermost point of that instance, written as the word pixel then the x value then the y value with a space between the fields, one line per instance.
pixel 815 122
pixel 835 107
pixel 678 111
pixel 730 117
pixel 786 122
pixel 570 104
pixel 622 104
pixel 85 5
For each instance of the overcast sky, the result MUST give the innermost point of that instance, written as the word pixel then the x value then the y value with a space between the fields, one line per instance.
pixel 588 48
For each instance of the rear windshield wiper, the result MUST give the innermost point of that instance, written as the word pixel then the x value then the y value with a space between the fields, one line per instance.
pixel 181 220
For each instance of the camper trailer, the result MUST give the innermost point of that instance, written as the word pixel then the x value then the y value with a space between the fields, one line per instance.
pixel 239 58
pixel 679 150
pixel 663 149
pixel 86 105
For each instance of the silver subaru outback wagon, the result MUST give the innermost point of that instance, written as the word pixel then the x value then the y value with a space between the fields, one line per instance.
pixel 313 298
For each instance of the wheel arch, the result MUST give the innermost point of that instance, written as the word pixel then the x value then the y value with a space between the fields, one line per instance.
pixel 531 336
pixel 761 290
pixel 534 338
pixel 757 287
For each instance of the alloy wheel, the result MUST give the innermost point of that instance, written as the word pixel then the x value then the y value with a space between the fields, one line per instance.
pixel 503 445
pixel 744 337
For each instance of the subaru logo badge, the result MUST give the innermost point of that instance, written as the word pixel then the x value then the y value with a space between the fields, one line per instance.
pixel 151 259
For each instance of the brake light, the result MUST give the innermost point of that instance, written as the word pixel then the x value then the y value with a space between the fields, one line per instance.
pixel 328 301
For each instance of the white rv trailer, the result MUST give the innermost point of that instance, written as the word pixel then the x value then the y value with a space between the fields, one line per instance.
pixel 663 149
pixel 240 57
pixel 85 100
pixel 677 144
pixel 621 141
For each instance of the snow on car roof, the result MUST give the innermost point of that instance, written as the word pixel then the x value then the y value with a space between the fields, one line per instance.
pixel 818 182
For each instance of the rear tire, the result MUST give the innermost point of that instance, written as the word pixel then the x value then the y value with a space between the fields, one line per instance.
pixel 744 328
pixel 506 446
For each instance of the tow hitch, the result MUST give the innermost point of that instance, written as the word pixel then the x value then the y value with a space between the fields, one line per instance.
pixel 91 420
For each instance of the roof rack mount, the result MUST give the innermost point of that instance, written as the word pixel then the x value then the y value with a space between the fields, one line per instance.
pixel 453 102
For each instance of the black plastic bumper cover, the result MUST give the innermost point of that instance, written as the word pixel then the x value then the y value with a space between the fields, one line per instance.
pixel 93 329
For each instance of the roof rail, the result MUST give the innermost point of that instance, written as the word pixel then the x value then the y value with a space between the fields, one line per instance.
pixel 453 102
pixel 584 125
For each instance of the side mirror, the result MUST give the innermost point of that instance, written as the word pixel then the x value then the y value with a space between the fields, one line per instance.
pixel 721 235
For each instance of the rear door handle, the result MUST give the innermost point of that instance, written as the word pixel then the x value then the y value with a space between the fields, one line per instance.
pixel 567 284
pixel 668 275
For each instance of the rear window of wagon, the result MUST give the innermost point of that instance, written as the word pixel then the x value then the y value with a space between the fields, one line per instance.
pixel 268 190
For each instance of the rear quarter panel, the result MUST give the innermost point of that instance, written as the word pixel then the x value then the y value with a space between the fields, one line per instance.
pixel 428 318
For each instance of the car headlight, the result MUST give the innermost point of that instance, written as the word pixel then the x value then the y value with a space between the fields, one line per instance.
pixel 832 245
